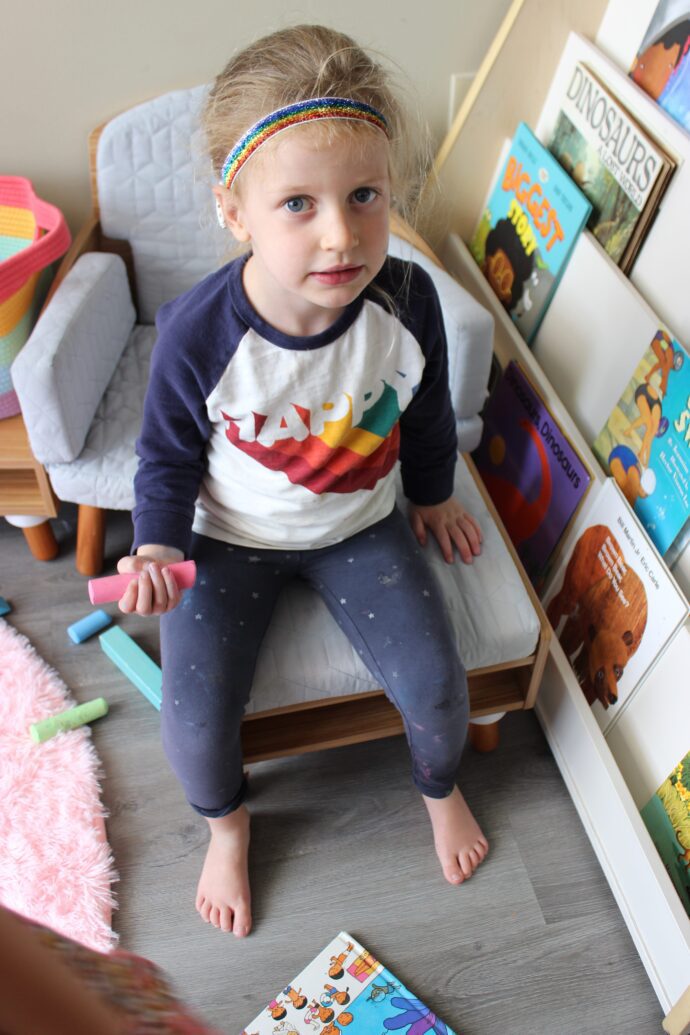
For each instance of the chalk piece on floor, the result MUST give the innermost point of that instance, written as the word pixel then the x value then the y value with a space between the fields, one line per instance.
pixel 135 663
pixel 87 626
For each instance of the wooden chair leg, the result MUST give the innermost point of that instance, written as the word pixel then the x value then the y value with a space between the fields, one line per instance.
pixel 41 541
pixel 90 540
pixel 483 737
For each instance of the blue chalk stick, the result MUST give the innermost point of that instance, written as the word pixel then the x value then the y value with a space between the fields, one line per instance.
pixel 4 607
pixel 139 668
pixel 88 626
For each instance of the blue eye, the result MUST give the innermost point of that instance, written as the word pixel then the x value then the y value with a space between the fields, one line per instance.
pixel 364 195
pixel 296 205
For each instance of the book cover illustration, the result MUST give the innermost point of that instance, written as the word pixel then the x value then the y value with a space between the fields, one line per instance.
pixel 531 471
pixel 667 818
pixel 662 63
pixel 645 443
pixel 612 159
pixel 611 603
pixel 346 990
pixel 527 231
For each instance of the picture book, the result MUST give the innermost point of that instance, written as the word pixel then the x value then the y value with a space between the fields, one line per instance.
pixel 667 818
pixel 611 602
pixel 345 989
pixel 530 469
pixel 645 443
pixel 662 63
pixel 527 230
pixel 618 166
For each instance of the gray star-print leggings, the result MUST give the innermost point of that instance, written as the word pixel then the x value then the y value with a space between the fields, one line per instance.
pixel 210 642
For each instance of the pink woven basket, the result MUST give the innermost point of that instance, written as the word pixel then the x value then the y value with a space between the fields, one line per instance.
pixel 33 235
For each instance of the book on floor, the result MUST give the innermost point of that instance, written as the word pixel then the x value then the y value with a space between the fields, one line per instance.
pixel 645 442
pixel 532 472
pixel 345 989
pixel 611 602
pixel 662 63
pixel 525 235
pixel 667 818
pixel 612 158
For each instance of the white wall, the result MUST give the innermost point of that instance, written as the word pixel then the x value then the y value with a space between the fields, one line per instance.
pixel 70 65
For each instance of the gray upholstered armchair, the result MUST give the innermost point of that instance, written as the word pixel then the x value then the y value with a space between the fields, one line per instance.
pixel 81 380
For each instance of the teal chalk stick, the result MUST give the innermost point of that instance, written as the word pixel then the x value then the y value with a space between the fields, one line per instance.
pixel 69 720
pixel 135 663
pixel 4 607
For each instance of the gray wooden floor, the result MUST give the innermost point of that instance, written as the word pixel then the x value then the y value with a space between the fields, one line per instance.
pixel 532 945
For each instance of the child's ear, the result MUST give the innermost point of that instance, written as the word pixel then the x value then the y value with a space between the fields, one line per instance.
pixel 229 215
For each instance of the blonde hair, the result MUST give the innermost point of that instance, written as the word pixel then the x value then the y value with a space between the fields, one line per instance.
pixel 307 61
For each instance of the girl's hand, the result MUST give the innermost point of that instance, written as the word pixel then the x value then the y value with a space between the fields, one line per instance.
pixel 154 591
pixel 450 524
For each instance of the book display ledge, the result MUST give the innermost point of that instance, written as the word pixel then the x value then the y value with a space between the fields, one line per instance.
pixel 510 87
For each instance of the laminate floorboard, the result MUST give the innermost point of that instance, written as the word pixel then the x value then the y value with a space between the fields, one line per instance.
pixel 533 944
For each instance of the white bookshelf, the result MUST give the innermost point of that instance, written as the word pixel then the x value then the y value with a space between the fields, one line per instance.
pixel 608 779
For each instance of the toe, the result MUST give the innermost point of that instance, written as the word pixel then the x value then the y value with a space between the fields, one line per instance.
pixel 225 917
pixel 204 907
pixel 242 923
pixel 214 916
pixel 452 871
pixel 466 864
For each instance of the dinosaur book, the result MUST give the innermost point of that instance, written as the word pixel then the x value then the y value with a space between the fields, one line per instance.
pixel 527 230
pixel 530 469
pixel 622 171
pixel 346 990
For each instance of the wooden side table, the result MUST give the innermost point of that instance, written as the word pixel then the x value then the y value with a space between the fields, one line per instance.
pixel 26 496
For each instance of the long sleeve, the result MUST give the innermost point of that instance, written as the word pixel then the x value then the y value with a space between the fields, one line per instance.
pixel 428 441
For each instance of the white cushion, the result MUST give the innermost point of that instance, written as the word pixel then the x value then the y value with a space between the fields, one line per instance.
pixel 306 656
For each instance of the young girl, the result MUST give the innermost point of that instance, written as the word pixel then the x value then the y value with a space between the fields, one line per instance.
pixel 283 390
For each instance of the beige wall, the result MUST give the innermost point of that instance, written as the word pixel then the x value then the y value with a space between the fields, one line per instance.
pixel 69 65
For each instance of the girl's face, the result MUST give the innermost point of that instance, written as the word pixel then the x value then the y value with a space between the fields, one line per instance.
pixel 317 220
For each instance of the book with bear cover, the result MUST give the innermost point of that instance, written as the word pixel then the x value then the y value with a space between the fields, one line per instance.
pixel 345 989
pixel 532 472
pixel 622 171
pixel 662 63
pixel 611 602
pixel 527 230
pixel 667 818
pixel 645 442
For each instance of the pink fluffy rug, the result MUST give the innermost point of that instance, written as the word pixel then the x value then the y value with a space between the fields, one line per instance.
pixel 55 862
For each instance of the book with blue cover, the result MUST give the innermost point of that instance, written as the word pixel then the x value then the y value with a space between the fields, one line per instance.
pixel 645 443
pixel 346 989
pixel 525 236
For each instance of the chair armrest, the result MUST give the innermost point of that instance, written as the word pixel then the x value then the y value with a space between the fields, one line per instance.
pixel 63 370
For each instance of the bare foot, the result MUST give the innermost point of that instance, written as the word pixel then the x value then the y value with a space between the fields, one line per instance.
pixel 223 898
pixel 459 842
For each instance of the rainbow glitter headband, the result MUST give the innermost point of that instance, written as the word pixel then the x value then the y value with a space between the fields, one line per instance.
pixel 293 115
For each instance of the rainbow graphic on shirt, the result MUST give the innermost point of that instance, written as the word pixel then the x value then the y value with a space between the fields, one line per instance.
pixel 332 448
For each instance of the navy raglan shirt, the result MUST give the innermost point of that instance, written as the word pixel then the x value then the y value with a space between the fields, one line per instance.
pixel 261 439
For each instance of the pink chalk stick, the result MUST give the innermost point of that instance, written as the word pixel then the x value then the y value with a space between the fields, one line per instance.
pixel 105 591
